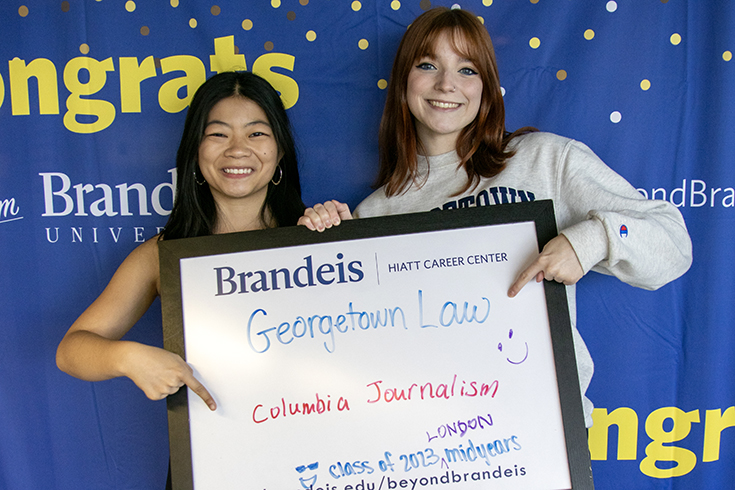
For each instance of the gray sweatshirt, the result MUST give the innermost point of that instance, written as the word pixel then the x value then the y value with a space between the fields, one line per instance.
pixel 611 226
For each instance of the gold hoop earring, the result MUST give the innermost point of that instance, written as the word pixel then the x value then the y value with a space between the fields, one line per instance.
pixel 204 181
pixel 280 176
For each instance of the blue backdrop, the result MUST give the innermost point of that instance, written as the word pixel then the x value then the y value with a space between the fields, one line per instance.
pixel 92 102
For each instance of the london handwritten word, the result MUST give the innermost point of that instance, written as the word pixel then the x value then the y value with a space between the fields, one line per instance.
pixel 461 427
pixel 319 406
pixel 430 390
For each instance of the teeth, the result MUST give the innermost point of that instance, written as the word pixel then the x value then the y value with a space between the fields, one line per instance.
pixel 443 105
pixel 238 171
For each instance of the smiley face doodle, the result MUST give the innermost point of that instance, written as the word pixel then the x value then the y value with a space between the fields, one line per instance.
pixel 309 482
pixel 500 348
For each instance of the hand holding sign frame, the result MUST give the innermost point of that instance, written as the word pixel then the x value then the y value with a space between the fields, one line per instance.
pixel 382 354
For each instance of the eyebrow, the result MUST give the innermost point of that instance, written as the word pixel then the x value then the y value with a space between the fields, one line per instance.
pixel 432 56
pixel 251 123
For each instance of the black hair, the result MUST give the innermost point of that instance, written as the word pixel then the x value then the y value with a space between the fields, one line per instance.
pixel 194 212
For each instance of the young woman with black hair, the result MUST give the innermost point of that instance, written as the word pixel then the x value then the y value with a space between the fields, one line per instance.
pixel 443 145
pixel 236 171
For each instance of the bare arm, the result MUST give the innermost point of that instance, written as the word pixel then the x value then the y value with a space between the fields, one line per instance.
pixel 92 349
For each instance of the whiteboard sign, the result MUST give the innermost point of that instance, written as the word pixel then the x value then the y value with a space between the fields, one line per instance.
pixel 363 358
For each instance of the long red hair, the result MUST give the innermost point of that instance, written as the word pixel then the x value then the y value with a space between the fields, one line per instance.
pixel 481 145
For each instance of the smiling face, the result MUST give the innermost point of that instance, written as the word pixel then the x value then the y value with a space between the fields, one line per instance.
pixel 238 153
pixel 444 92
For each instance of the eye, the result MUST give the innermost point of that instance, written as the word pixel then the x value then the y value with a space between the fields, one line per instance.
pixel 215 134
pixel 468 71
pixel 426 66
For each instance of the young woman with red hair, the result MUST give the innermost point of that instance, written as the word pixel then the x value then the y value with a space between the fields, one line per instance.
pixel 443 145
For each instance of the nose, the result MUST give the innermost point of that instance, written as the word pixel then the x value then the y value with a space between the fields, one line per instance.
pixel 445 81
pixel 238 147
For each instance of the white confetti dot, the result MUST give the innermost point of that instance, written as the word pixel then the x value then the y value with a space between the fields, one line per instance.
pixel 616 117
pixel 611 6
pixel 502 91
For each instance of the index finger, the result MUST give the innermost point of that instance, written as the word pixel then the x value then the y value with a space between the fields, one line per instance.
pixel 532 270
pixel 200 390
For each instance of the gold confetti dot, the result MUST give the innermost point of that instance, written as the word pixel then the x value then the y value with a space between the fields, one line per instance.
pixel 268 46
pixel 291 15
pixel 425 4
pixel 675 39
pixel 664 1
pixel 216 10
pixel 144 31
pixel 174 3
pixel 382 84
pixel 534 42
pixel 395 5
pixel 23 11
pixel 727 56
pixel 589 34
pixel 275 3
pixel 192 23
pixel 247 24
pixel 534 2
pixel 356 6
pixel 363 44
pixel 561 75
pixel 65 6
pixel 481 19
pixel 304 2
pixel 84 48
pixel 645 84
pixel 487 3
pixel 311 36
pixel 130 6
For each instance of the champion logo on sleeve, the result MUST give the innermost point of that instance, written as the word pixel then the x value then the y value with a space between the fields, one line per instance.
pixel 623 231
